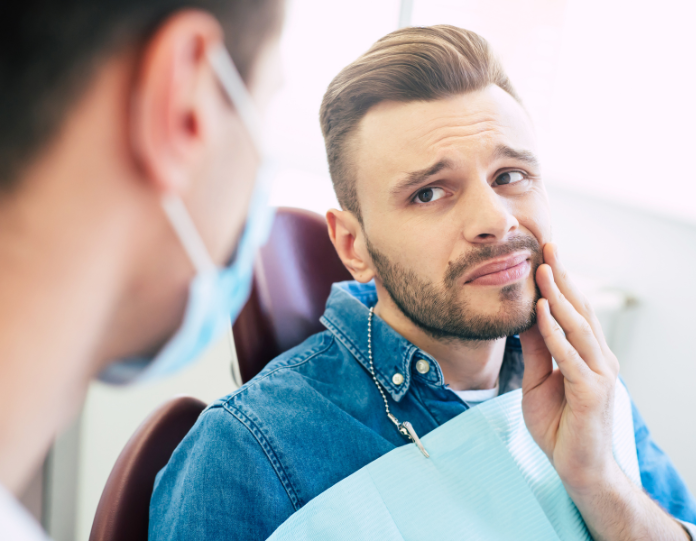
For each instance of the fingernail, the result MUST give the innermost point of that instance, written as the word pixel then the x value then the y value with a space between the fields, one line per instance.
pixel 555 252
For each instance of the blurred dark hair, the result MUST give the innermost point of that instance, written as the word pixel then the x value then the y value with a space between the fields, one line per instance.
pixel 49 50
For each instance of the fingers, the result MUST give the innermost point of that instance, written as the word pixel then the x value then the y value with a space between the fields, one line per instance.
pixel 538 364
pixel 572 293
pixel 557 287
pixel 569 361
pixel 577 330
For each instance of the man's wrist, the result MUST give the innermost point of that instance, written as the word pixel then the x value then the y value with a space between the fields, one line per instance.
pixel 614 508
pixel 609 482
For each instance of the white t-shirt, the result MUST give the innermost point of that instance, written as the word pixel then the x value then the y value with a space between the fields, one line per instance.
pixel 474 398
pixel 16 524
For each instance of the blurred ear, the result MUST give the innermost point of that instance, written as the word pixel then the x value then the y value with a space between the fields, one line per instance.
pixel 178 107
pixel 349 240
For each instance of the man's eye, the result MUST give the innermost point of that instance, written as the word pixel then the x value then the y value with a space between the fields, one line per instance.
pixel 509 177
pixel 428 195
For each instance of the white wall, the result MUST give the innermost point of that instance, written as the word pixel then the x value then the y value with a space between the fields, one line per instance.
pixel 653 257
pixel 619 123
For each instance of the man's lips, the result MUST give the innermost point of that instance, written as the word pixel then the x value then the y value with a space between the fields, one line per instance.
pixel 501 271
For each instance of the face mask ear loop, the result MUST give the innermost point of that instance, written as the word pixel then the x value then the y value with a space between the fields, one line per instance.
pixel 187 233
pixel 232 83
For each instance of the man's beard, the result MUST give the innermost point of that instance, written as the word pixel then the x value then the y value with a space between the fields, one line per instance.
pixel 439 310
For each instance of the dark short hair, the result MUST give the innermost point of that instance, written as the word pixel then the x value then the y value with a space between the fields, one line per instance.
pixel 50 49
pixel 411 64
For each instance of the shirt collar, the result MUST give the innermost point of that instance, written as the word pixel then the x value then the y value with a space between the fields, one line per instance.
pixel 346 315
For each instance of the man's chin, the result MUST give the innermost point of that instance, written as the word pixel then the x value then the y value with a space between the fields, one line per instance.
pixel 511 301
pixel 496 328
pixel 517 312
pixel 511 311
pixel 521 321
pixel 481 327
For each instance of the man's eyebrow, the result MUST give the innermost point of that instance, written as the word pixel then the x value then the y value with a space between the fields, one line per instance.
pixel 416 178
pixel 503 151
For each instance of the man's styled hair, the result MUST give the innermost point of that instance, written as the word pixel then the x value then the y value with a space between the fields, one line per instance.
pixel 49 50
pixel 411 64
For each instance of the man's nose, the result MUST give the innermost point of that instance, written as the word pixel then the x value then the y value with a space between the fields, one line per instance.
pixel 485 216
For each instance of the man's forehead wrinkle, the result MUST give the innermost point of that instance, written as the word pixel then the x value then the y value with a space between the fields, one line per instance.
pixel 452 118
pixel 453 140
pixel 446 135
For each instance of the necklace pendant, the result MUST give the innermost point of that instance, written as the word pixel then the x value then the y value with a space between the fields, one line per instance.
pixel 407 430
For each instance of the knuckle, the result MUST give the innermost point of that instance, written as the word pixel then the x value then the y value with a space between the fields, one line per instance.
pixel 573 355
pixel 545 331
pixel 585 328
pixel 582 329
pixel 607 382
pixel 550 332
pixel 556 328
pixel 586 307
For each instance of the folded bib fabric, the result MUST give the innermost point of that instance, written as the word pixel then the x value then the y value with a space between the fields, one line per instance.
pixel 485 479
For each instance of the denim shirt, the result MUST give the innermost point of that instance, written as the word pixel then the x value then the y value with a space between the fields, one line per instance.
pixel 314 416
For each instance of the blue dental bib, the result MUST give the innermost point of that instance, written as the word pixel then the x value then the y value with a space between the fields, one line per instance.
pixel 486 479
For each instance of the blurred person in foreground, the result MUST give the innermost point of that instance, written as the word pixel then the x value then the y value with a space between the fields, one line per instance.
pixel 129 149
pixel 445 227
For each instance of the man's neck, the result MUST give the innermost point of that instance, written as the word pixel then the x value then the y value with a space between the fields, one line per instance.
pixel 466 365
pixel 61 270
pixel 54 308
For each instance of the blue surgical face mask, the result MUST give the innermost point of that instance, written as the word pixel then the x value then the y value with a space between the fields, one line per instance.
pixel 216 296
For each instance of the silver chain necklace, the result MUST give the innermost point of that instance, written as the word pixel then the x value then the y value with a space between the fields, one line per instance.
pixel 405 428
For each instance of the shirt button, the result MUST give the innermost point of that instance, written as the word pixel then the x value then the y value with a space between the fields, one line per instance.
pixel 397 379
pixel 423 366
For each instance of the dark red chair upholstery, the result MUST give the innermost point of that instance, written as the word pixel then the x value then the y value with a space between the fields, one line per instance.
pixel 123 511
pixel 292 282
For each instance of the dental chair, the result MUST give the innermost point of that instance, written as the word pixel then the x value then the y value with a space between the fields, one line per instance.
pixel 292 282
pixel 124 507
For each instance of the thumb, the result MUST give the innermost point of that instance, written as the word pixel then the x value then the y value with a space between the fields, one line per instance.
pixel 538 364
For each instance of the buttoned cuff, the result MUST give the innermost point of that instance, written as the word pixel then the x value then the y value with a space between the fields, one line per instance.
pixel 690 529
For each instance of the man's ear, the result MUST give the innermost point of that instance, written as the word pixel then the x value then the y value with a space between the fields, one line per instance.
pixel 348 238
pixel 177 103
